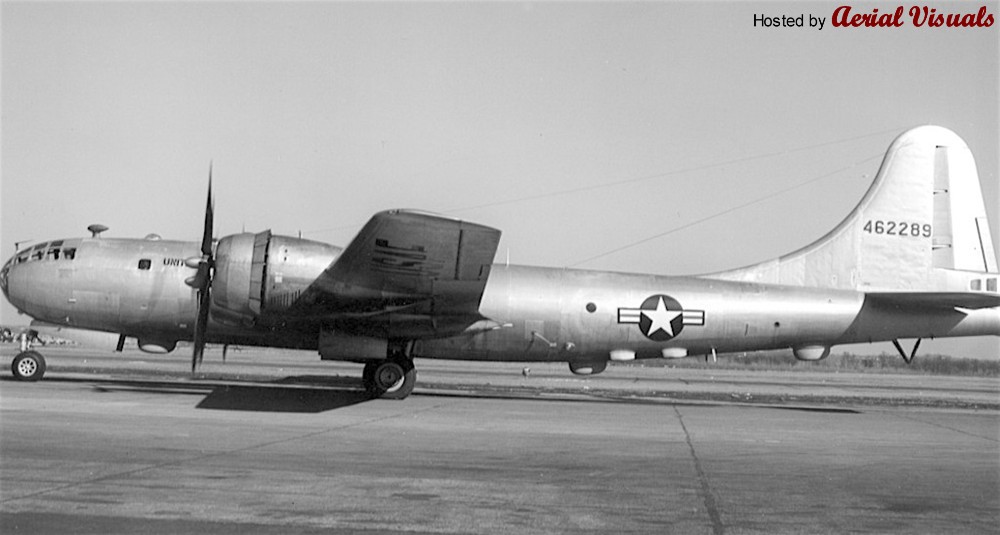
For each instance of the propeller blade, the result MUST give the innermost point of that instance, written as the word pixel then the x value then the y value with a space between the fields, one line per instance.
pixel 201 327
pixel 203 281
pixel 206 238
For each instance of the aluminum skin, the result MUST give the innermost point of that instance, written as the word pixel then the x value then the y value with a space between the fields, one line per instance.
pixel 913 260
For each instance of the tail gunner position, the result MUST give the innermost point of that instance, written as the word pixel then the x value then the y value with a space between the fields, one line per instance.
pixel 914 259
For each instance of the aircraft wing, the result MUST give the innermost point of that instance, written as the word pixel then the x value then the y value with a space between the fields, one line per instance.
pixel 406 268
pixel 939 300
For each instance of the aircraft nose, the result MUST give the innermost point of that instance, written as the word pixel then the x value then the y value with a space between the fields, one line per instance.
pixel 4 273
pixel 11 277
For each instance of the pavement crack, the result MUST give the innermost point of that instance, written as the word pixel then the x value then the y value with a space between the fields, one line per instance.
pixel 706 491
pixel 942 426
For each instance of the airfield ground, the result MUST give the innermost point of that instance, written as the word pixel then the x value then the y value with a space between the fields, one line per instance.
pixel 278 442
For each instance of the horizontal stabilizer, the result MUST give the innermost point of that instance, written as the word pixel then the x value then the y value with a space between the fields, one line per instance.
pixel 946 300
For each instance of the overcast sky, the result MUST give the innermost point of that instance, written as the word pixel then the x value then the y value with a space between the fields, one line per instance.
pixel 576 128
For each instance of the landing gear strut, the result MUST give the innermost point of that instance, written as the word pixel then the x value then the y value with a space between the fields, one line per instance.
pixel 392 378
pixel 28 366
pixel 908 359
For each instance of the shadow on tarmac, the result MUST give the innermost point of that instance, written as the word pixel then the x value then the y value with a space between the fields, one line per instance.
pixel 280 399
pixel 289 394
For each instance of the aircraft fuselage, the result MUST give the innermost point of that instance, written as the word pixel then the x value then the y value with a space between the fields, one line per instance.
pixel 140 288
pixel 565 314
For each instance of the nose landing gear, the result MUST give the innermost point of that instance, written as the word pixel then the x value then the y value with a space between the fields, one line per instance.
pixel 28 366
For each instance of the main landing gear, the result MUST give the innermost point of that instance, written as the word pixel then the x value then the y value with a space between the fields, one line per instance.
pixel 392 378
pixel 28 366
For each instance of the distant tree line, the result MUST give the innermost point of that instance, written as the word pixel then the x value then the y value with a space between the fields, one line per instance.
pixel 883 363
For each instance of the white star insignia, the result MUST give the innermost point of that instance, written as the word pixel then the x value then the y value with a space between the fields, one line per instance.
pixel 661 318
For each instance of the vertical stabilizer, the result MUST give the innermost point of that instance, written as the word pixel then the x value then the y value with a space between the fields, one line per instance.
pixel 922 220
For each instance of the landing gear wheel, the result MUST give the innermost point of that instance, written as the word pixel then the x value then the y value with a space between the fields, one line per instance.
pixel 390 379
pixel 368 376
pixel 28 366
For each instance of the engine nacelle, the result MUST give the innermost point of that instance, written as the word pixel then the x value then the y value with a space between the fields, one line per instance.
pixel 588 368
pixel 811 353
pixel 334 345
pixel 257 275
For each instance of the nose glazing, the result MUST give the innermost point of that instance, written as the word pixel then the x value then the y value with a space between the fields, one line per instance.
pixel 4 272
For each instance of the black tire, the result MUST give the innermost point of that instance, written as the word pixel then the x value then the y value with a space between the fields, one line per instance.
pixel 391 378
pixel 28 366
pixel 368 376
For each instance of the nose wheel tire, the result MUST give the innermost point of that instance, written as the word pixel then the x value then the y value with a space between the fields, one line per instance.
pixel 28 366
pixel 390 379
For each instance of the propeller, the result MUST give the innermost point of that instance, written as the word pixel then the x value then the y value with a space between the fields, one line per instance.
pixel 203 280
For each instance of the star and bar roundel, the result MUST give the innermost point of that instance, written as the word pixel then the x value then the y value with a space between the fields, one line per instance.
pixel 660 317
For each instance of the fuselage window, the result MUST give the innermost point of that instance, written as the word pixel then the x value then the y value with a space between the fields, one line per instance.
pixel 991 285
pixel 976 285
pixel 145 263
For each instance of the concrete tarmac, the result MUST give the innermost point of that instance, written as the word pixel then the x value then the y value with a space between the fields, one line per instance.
pixel 144 451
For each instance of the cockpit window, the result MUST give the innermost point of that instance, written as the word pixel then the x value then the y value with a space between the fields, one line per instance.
pixel 47 251
pixel 3 275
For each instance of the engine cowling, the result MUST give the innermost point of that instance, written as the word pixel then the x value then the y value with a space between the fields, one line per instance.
pixel 231 289
pixel 258 276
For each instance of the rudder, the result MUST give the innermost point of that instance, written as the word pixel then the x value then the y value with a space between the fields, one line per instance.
pixel 962 239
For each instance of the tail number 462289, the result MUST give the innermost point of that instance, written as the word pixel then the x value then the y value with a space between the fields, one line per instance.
pixel 897 228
